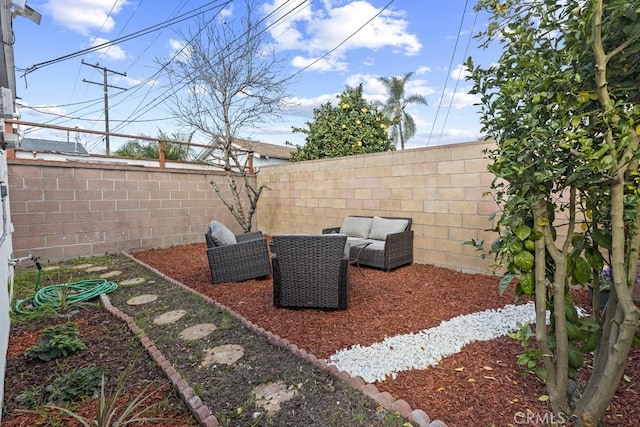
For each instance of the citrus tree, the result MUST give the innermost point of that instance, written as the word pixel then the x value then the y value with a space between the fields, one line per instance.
pixel 353 126
pixel 563 104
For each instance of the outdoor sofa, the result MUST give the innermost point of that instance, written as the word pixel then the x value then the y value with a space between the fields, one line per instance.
pixel 235 258
pixel 381 242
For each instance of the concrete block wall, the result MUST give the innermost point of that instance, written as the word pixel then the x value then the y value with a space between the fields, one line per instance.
pixel 441 188
pixel 62 210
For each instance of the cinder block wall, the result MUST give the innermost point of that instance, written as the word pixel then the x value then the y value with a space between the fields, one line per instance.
pixel 62 210
pixel 441 188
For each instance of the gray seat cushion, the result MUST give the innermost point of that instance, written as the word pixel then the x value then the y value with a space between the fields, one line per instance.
pixel 380 227
pixel 220 234
pixel 354 226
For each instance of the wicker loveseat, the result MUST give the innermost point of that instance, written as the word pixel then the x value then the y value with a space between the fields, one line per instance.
pixel 381 242
pixel 311 271
pixel 234 258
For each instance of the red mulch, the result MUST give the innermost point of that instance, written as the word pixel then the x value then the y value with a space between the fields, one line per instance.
pixel 481 385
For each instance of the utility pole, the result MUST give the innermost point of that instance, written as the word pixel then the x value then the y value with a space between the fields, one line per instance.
pixel 106 87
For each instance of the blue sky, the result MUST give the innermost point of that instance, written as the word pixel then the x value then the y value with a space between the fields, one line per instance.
pixel 428 37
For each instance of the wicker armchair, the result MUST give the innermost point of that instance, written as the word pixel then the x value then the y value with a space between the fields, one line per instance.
pixel 311 271
pixel 247 259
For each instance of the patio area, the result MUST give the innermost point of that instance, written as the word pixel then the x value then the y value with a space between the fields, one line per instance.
pixel 480 385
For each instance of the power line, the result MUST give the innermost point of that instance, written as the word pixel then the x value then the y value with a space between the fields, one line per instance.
pixel 40 110
pixel 173 20
pixel 139 33
pixel 455 88
pixel 341 43
pixel 450 65
pixel 106 87
pixel 171 90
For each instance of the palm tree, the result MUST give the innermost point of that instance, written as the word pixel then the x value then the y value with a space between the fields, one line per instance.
pixel 404 127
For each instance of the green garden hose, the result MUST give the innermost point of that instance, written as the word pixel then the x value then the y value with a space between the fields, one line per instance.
pixel 66 294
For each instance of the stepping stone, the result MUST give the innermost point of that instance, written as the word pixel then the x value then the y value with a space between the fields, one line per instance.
pixel 82 266
pixel 169 317
pixel 110 274
pixel 197 332
pixel 270 395
pixel 142 299
pixel 97 268
pixel 226 354
pixel 134 281
pixel 51 268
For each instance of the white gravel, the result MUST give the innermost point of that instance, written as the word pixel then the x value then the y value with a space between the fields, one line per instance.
pixel 427 347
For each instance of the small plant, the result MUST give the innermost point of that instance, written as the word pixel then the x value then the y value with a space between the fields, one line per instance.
pixel 57 341
pixel 30 398
pixel 107 409
pixel 532 356
pixel 75 384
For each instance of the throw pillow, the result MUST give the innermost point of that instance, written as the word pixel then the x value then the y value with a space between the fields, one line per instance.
pixel 354 226
pixel 220 234
pixel 380 227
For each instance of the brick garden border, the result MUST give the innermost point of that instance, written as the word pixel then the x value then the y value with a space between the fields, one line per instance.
pixel 204 415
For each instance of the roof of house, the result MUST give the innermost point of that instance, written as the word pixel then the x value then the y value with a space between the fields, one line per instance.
pixel 36 144
pixel 264 149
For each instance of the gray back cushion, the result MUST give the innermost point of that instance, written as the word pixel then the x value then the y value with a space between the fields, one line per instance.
pixel 380 227
pixel 221 235
pixel 354 226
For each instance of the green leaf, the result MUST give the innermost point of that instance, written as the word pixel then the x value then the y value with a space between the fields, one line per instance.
pixel 504 282
pixel 524 260
pixel 523 232
pixel 602 239
pixel 581 271
pixel 528 283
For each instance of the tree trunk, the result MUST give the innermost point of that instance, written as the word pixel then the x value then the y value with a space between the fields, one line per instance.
pixel 556 362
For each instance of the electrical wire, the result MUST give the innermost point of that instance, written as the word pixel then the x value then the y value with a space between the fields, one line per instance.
pixel 172 90
pixel 134 35
pixel 340 44
pixel 133 118
pixel 455 88
pixel 466 3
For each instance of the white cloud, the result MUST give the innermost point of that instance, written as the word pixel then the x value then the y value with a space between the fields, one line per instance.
pixel 179 50
pixel 423 70
pixel 304 106
pixel 85 16
pixel 132 81
pixel 226 13
pixel 329 63
pixel 461 99
pixel 460 72
pixel 113 52
pixel 317 31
